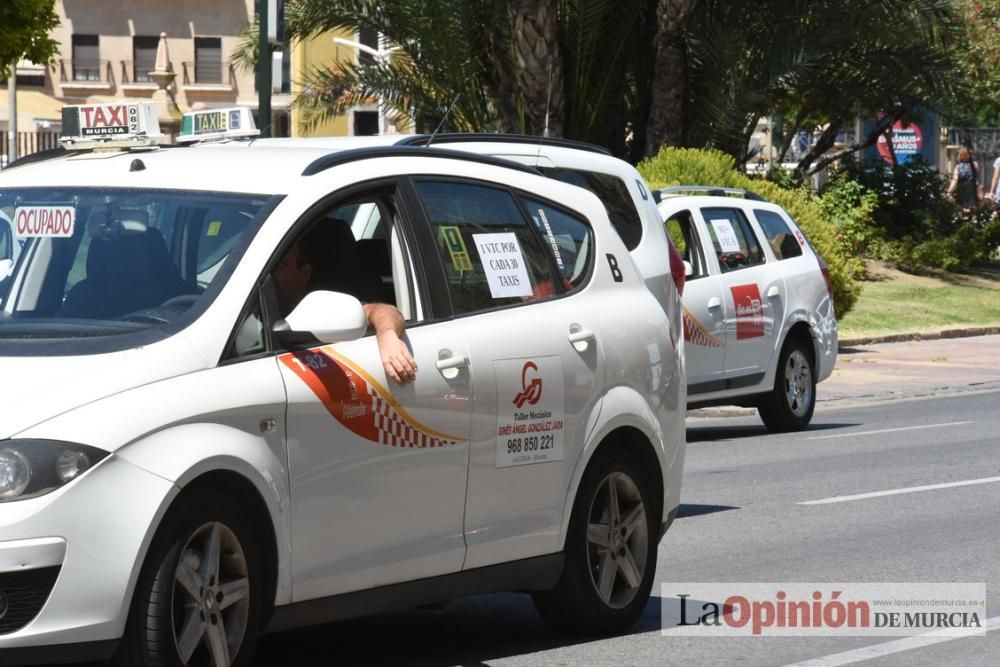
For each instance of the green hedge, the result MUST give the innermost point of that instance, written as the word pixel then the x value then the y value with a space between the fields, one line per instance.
pixel 688 166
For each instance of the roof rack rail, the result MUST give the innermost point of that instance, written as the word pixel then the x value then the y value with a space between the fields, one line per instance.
pixel 468 137
pixel 713 191
pixel 342 157
pixel 41 156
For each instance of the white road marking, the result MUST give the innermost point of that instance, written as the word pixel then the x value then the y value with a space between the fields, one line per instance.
pixel 896 492
pixel 888 648
pixel 887 430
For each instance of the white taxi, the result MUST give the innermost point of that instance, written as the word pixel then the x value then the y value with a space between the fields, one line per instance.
pixel 187 460
pixel 759 322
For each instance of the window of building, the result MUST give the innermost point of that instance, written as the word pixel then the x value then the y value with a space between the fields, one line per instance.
pixel 86 63
pixel 368 37
pixel 143 57
pixel 365 123
pixel 208 59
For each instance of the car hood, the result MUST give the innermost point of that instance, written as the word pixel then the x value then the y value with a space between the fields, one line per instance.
pixel 35 389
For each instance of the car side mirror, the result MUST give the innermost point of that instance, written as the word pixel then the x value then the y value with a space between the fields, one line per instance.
pixel 657 196
pixel 688 269
pixel 330 317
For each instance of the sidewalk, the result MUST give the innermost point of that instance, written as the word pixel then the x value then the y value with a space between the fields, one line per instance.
pixel 913 368
pixel 883 371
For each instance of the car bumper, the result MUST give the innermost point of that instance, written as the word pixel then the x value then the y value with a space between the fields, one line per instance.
pixel 70 559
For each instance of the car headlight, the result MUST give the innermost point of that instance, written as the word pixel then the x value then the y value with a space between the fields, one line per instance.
pixel 30 468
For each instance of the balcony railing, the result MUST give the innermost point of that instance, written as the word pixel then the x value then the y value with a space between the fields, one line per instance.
pixel 141 75
pixel 208 72
pixel 85 71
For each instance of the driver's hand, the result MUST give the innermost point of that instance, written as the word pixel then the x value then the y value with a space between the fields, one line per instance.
pixel 396 358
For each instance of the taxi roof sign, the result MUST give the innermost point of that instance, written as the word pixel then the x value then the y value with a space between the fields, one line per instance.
pixel 216 124
pixel 110 126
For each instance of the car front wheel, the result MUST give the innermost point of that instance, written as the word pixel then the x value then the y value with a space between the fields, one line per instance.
pixel 790 405
pixel 199 598
pixel 610 551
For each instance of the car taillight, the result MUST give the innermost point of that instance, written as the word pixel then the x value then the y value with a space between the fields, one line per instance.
pixel 825 270
pixel 677 267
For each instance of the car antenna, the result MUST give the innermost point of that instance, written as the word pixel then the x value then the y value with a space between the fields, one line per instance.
pixel 545 130
pixel 443 119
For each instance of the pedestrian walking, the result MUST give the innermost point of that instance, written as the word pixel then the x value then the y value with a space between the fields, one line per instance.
pixel 992 194
pixel 965 187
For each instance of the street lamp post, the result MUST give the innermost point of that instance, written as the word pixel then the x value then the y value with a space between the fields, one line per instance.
pixel 381 56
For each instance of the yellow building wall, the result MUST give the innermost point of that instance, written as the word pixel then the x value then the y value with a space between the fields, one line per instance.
pixel 313 54
pixel 308 56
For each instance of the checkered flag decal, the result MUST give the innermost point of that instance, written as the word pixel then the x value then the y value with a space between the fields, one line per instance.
pixel 393 429
pixel 695 334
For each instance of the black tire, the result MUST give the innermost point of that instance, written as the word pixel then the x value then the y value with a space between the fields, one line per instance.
pixel 161 604
pixel 575 605
pixel 790 405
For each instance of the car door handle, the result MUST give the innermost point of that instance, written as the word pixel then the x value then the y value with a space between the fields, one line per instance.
pixel 773 292
pixel 580 337
pixel 448 363
pixel 715 302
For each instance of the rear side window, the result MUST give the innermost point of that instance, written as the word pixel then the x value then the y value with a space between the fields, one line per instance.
pixel 568 239
pixel 613 192
pixel 732 238
pixel 490 255
pixel 779 236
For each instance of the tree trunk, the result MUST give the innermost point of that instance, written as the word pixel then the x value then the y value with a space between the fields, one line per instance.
pixel 825 142
pixel 880 128
pixel 666 116
pixel 538 65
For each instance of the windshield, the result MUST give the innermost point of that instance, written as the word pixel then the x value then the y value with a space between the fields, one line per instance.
pixel 97 263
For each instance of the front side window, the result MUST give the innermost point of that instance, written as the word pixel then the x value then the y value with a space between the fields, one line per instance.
pixel 101 263
pixel 613 193
pixel 779 236
pixel 490 255
pixel 681 229
pixel 734 242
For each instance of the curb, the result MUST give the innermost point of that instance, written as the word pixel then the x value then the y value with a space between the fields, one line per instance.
pixel 925 335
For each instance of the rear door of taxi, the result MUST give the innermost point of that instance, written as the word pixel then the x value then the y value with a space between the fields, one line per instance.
pixel 512 267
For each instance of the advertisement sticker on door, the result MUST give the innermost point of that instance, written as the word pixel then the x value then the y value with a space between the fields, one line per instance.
pixel 531 409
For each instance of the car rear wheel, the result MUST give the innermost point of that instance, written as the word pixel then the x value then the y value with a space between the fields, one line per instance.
pixel 790 405
pixel 199 598
pixel 610 551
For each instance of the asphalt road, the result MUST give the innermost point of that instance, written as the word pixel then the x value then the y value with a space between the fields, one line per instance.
pixel 741 521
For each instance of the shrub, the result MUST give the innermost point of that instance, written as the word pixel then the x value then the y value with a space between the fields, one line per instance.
pixel 973 237
pixel 688 166
pixel 848 206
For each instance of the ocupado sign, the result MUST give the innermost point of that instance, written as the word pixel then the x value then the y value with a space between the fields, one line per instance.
pixel 41 221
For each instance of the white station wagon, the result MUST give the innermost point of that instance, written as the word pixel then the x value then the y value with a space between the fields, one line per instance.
pixel 188 460
pixel 759 324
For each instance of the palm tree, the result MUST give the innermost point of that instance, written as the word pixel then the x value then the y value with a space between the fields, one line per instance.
pixel 634 75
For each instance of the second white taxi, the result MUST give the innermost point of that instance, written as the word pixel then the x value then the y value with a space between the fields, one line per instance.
pixel 759 323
